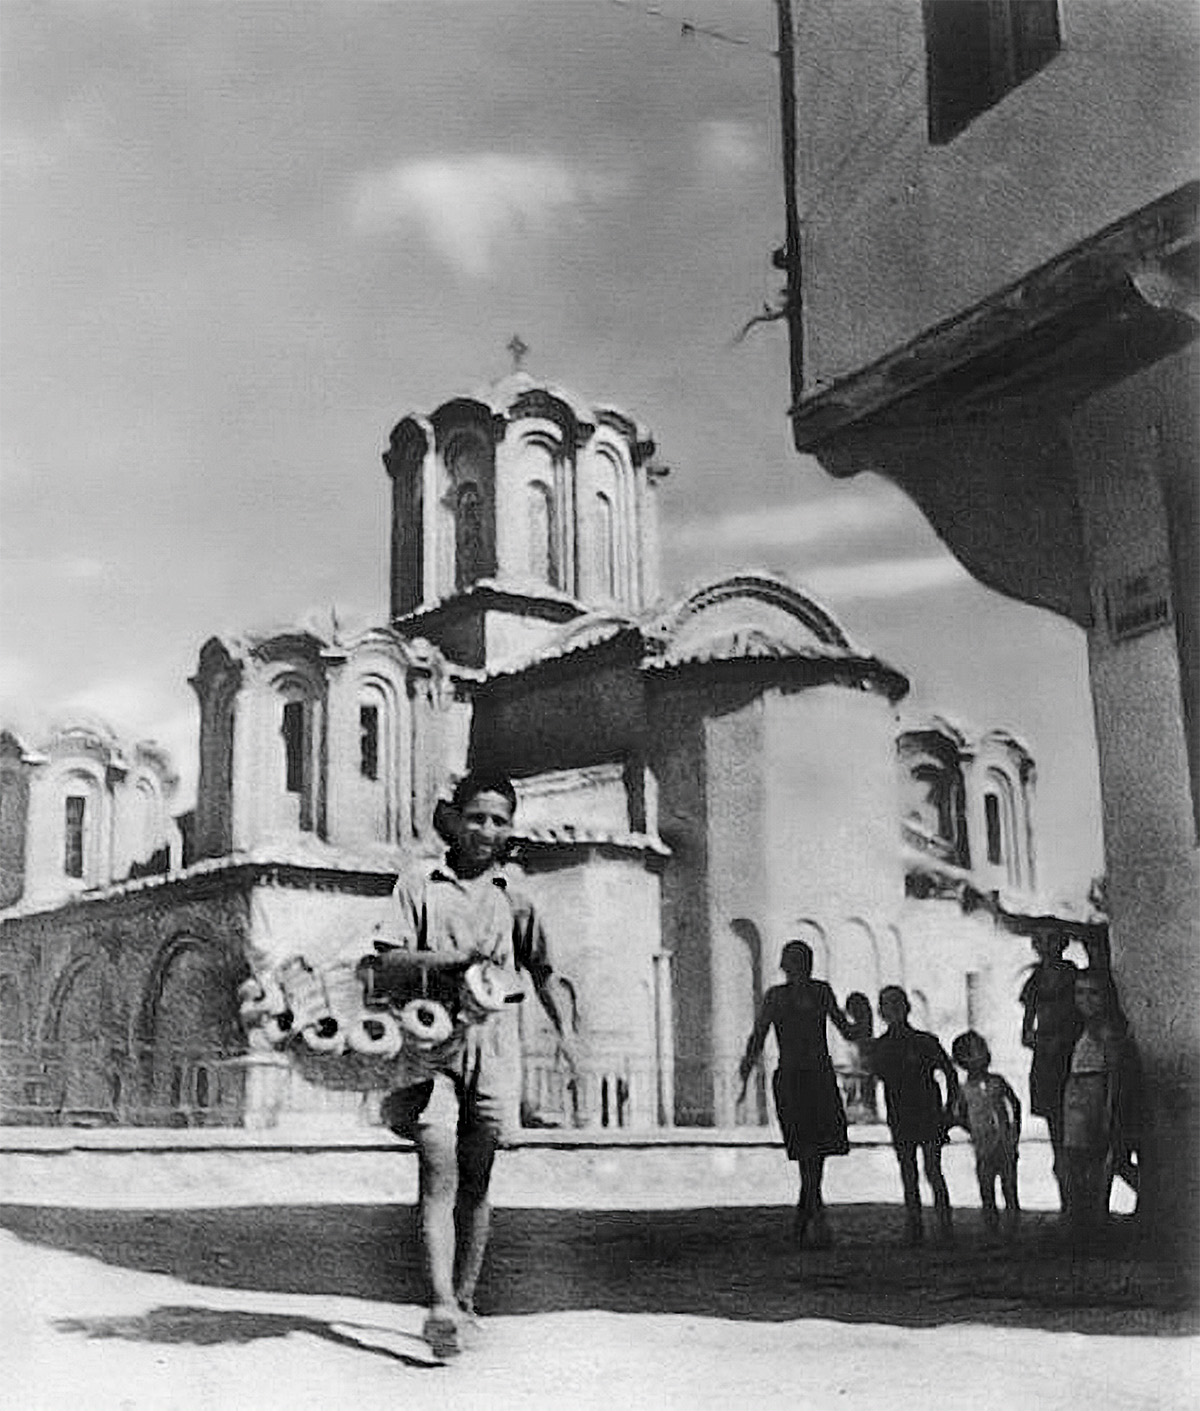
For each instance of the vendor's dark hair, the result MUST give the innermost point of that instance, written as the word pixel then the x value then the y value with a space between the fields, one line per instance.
pixel 484 781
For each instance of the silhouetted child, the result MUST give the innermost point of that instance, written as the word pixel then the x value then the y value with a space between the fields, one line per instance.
pixel 907 1061
pixel 1101 1101
pixel 860 1087
pixel 989 1109
pixel 1050 1027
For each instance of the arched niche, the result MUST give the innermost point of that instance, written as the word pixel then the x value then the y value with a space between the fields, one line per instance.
pixel 743 1002
pixel 81 1037
pixel 188 1031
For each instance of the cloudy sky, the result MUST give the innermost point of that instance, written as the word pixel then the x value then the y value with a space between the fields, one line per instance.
pixel 239 241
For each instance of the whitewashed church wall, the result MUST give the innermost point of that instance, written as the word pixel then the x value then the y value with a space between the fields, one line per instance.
pixel 833 849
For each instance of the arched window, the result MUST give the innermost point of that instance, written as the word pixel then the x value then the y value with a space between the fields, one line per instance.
pixel 539 519
pixel 368 739
pixel 995 828
pixel 296 735
pixel 468 535
pixel 293 732
pixel 74 834
pixel 604 549
pixel 381 780
pixel 81 827
pixel 1000 824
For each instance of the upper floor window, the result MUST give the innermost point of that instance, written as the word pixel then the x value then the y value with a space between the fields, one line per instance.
pixel 293 746
pixel 539 517
pixel 368 741
pixel 468 535
pixel 604 548
pixel 994 827
pixel 1001 827
pixel 73 835
pixel 978 50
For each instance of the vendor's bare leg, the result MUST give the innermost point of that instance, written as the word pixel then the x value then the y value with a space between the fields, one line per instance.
pixel 476 1157
pixel 438 1165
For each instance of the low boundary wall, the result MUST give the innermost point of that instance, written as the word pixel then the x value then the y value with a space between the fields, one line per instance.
pixel 140 1168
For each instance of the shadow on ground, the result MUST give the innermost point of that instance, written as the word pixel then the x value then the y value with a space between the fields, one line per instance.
pixel 727 1263
pixel 176 1325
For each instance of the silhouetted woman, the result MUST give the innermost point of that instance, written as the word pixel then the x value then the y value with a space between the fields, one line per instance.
pixel 805 1085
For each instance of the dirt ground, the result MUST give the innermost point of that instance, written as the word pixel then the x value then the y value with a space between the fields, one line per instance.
pixel 221 1310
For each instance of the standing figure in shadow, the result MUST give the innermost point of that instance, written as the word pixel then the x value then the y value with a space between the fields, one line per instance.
pixel 805 1085
pixel 1050 1028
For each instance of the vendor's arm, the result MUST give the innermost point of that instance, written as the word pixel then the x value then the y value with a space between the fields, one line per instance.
pixel 533 956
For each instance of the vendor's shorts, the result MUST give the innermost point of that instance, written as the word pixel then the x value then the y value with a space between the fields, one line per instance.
pixel 474 1102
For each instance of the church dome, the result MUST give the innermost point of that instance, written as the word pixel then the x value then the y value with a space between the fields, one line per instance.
pixel 526 490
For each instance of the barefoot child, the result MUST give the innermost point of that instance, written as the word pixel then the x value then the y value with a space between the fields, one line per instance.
pixel 989 1109
pixel 907 1061
pixel 806 1091
pixel 458 1102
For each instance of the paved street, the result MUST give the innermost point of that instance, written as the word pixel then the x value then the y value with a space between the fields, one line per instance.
pixel 219 1310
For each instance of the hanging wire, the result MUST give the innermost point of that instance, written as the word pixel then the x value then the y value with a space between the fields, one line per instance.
pixel 692 29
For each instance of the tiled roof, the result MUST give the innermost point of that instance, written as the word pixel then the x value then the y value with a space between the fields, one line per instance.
pixel 585 641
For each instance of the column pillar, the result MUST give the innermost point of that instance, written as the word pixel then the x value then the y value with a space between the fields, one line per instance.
pixel 664 1037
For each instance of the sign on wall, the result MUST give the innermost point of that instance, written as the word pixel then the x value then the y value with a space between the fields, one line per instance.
pixel 1138 602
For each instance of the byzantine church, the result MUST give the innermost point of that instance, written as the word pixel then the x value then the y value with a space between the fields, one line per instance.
pixel 699 780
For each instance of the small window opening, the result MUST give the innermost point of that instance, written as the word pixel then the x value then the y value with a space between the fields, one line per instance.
pixel 368 740
pixel 293 745
pixel 995 832
pixel 76 808
pixel 979 50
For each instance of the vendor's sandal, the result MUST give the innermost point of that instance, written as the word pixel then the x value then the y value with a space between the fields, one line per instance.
pixel 441 1332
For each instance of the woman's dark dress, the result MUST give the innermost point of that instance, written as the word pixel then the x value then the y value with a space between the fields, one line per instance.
pixel 807 1097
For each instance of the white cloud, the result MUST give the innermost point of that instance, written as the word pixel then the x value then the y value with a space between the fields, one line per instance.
pixel 28 153
pixel 124 702
pixel 18 684
pixel 470 207
pixel 792 526
pixel 79 568
pixel 727 145
pixel 886 578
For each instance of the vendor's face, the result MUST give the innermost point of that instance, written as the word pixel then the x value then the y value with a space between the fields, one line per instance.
pixel 485 825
